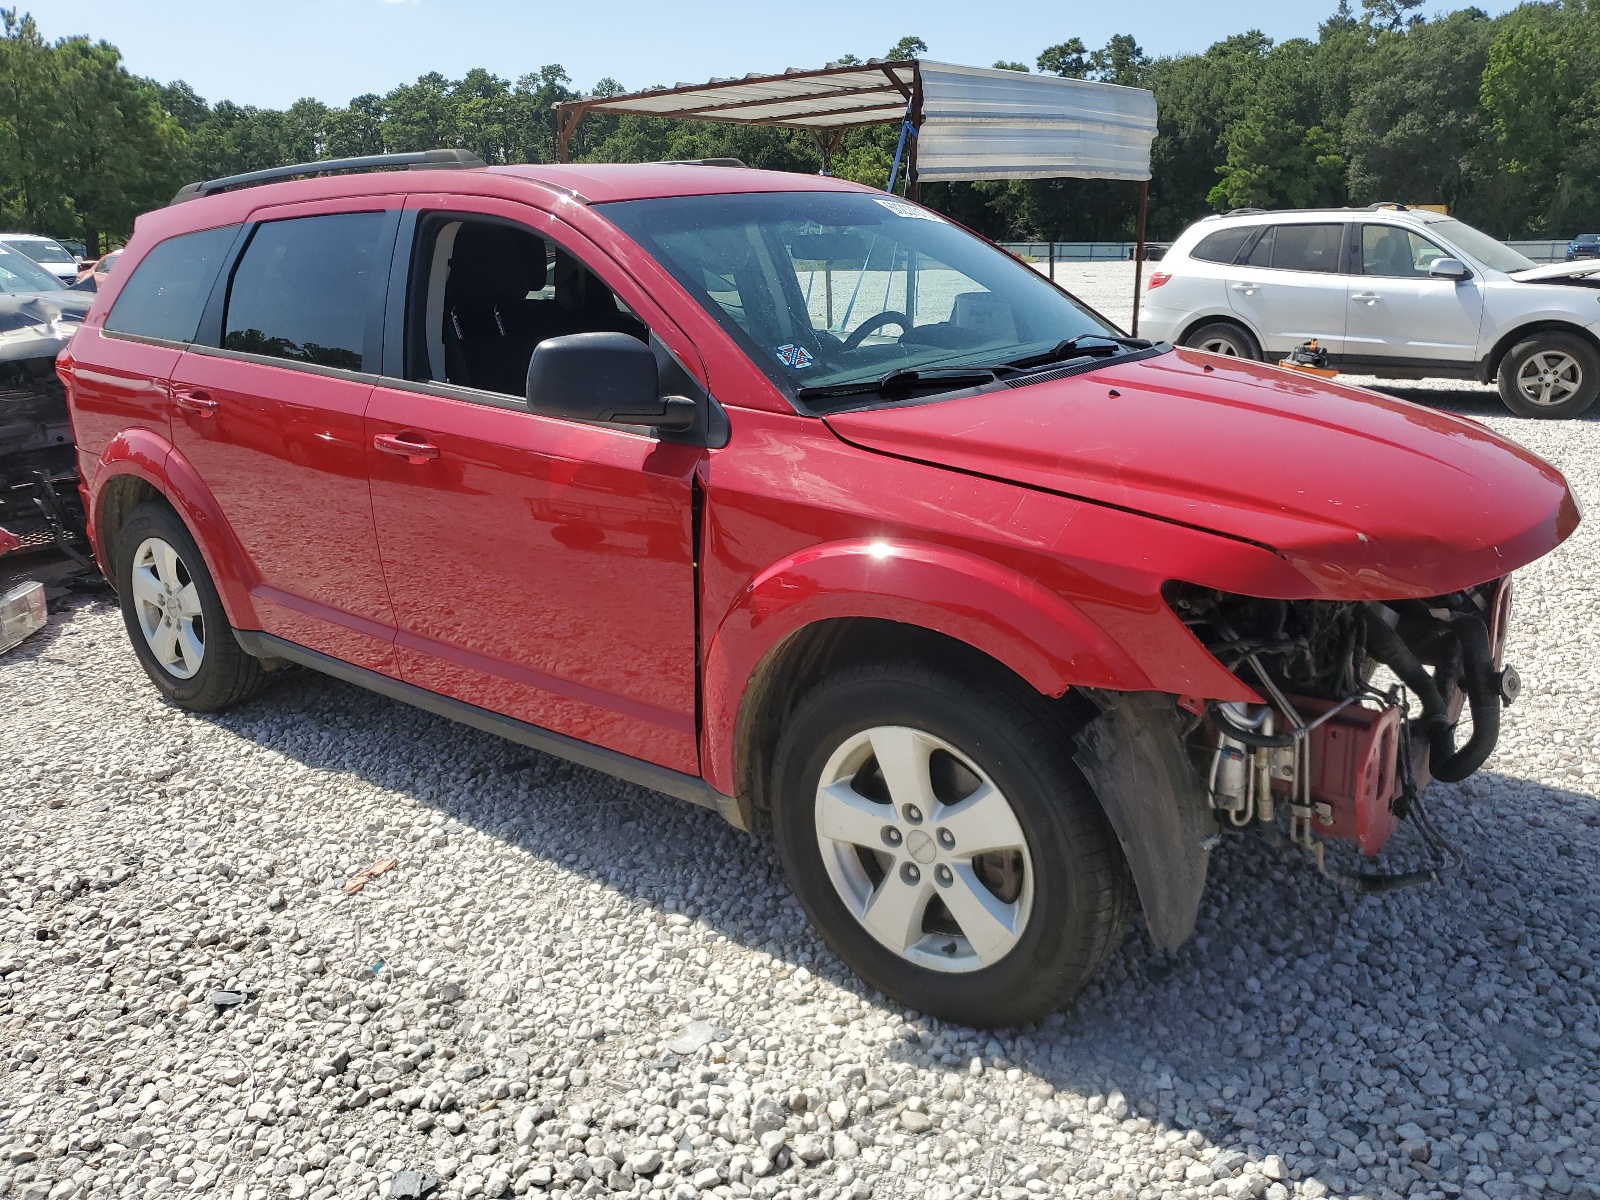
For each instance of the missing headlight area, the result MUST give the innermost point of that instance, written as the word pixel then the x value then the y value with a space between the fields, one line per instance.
pixel 1361 703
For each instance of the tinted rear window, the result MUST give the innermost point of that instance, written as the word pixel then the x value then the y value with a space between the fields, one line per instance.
pixel 1222 246
pixel 167 291
pixel 1308 248
pixel 303 287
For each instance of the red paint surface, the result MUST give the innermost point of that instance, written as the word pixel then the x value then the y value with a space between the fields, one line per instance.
pixel 547 569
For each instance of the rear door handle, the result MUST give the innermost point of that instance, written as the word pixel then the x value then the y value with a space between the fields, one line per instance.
pixel 410 447
pixel 193 400
pixel 1247 288
pixel 1367 298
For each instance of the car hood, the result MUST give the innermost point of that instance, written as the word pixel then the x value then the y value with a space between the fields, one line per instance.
pixel 1366 496
pixel 1582 272
pixel 39 324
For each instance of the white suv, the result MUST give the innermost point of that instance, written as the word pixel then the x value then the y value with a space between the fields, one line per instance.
pixel 1388 291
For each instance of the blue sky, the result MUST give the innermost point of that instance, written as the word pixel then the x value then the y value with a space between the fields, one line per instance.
pixel 272 53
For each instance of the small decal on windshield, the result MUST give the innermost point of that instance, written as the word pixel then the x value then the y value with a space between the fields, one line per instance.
pixel 794 356
pixel 902 209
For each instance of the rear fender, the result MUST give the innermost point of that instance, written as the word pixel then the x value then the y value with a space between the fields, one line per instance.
pixel 1008 617
pixel 147 455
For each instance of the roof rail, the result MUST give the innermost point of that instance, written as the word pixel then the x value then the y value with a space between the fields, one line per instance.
pixel 702 162
pixel 417 160
pixel 1394 204
pixel 1243 212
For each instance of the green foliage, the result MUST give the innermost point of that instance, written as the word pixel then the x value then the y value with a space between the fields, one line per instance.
pixel 1499 118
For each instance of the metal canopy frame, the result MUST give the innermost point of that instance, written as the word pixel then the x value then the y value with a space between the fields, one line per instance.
pixel 825 103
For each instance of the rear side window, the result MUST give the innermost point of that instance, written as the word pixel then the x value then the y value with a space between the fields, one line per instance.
pixel 1308 248
pixel 302 289
pixel 167 291
pixel 1224 245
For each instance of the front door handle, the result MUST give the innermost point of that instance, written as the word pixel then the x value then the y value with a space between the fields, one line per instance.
pixel 193 400
pixel 1367 298
pixel 408 446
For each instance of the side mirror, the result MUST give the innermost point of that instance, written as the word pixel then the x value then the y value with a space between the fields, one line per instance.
pixel 606 377
pixel 1449 268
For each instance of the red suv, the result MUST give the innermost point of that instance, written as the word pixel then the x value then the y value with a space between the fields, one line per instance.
pixel 793 499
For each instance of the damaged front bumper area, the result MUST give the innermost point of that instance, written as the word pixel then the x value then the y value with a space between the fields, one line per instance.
pixel 39 501
pixel 1360 708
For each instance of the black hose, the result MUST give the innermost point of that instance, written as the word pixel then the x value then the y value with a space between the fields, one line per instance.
pixel 1483 695
pixel 1384 644
pixel 1249 737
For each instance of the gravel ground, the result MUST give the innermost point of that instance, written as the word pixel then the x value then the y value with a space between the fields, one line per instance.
pixel 568 985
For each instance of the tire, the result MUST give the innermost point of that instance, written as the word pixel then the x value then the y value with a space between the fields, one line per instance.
pixel 1224 338
pixel 1026 925
pixel 174 616
pixel 1551 375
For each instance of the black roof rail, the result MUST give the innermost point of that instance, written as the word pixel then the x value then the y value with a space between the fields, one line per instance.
pixel 416 160
pixel 1244 212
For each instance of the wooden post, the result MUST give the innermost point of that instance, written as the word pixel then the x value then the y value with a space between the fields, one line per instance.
pixel 1052 261
pixel 1138 251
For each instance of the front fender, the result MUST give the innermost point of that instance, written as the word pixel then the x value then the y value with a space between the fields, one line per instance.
pixel 150 457
pixel 1007 616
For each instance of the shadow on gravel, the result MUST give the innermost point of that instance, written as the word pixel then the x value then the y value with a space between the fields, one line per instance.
pixel 1392 1045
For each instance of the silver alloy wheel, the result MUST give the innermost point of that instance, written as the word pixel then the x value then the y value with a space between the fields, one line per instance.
pixel 924 850
pixel 1221 345
pixel 168 608
pixel 1549 377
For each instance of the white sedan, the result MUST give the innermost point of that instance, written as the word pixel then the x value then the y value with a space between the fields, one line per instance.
pixel 1391 291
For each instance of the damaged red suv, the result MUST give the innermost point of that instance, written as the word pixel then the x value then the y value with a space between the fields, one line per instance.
pixel 795 500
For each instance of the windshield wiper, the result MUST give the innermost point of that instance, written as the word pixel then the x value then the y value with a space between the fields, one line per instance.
pixel 905 380
pixel 1074 347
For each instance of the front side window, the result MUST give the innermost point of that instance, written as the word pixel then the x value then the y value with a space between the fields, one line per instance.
pixel 303 287
pixel 826 289
pixel 1396 253
pixel 167 291
pixel 485 293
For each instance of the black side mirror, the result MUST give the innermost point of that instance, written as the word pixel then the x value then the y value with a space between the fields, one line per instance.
pixel 608 377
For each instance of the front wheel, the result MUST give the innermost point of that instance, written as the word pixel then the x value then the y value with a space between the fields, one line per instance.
pixel 1551 375
pixel 944 844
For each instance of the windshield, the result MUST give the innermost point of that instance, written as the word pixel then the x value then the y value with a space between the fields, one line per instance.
pixel 823 289
pixel 1495 255
pixel 42 250
pixel 21 274
pixel 1588 239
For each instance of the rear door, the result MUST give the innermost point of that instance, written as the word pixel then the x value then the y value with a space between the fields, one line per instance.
pixel 540 568
pixel 1400 313
pixel 270 416
pixel 1288 286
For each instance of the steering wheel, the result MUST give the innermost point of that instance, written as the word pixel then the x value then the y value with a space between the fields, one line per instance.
pixel 873 324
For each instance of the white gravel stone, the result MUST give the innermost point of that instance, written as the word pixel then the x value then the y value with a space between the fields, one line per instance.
pixel 569 984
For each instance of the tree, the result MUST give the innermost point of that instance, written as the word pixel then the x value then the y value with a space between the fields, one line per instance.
pixel 907 48
pixel 1069 59
pixel 1003 65
pixel 1119 61
pixel 1276 163
pixel 1390 15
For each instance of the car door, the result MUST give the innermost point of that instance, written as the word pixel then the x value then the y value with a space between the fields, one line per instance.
pixel 1288 287
pixel 269 414
pixel 1400 313
pixel 540 568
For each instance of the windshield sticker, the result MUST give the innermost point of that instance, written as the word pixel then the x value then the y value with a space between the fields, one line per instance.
pixel 794 356
pixel 901 209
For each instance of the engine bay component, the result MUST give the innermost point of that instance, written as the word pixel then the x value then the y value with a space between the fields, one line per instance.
pixel 1354 765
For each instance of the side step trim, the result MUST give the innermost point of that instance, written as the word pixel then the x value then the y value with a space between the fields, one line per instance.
pixel 623 766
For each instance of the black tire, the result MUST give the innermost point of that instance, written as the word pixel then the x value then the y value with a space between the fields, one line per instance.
pixel 225 675
pixel 1569 361
pixel 1224 338
pixel 1081 892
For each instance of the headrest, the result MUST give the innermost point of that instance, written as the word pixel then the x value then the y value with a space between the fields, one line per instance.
pixel 494 263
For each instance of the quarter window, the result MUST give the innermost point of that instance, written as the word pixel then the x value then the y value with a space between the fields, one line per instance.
pixel 1224 245
pixel 303 288
pixel 167 291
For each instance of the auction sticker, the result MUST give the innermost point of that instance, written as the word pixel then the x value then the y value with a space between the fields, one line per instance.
pixel 902 209
pixel 794 356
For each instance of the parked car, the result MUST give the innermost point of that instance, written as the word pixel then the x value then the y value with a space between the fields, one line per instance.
pixel 76 248
pixel 792 499
pixel 1585 245
pixel 92 274
pixel 39 499
pixel 47 252
pixel 1388 291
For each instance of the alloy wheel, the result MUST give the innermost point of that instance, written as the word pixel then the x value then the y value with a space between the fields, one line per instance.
pixel 923 849
pixel 1220 345
pixel 167 605
pixel 1549 377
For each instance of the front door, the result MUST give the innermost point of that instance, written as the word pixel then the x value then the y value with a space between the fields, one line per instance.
pixel 540 568
pixel 1288 287
pixel 271 419
pixel 1397 311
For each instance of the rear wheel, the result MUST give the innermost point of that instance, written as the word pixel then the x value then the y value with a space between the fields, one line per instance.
pixel 1550 375
pixel 174 616
pixel 942 841
pixel 1224 338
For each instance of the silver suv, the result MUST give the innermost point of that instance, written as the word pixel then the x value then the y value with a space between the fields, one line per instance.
pixel 1390 291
